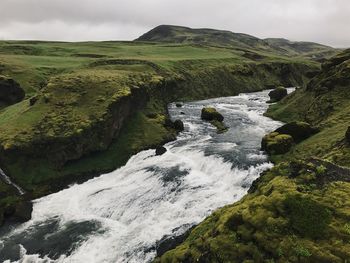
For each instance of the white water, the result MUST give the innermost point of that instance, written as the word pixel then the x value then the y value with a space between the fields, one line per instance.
pixel 120 216
pixel 8 181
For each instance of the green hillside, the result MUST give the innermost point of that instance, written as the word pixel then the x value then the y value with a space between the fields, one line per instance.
pixel 89 106
pixel 213 37
pixel 299 210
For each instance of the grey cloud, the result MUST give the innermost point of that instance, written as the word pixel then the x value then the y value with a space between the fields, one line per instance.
pixel 324 21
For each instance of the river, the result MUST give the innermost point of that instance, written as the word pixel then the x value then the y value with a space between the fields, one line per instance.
pixel 122 216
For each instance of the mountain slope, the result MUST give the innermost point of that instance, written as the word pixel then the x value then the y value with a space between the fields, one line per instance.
pixel 178 34
pixel 212 37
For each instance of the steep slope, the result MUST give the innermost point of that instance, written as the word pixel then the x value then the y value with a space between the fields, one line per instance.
pixel 325 102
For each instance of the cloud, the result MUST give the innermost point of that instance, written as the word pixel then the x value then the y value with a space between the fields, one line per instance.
pixel 324 21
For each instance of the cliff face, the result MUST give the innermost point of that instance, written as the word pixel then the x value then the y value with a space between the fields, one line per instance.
pixel 10 91
pixel 95 137
pixel 324 103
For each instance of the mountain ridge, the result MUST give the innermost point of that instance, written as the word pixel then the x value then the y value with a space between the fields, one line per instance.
pixel 225 38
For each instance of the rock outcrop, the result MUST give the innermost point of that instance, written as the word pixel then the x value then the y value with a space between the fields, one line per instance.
pixel 10 91
pixel 160 150
pixel 211 114
pixel 276 143
pixel 277 94
pixel 179 125
pixel 298 130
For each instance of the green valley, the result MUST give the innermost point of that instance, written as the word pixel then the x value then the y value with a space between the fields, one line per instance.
pixel 89 106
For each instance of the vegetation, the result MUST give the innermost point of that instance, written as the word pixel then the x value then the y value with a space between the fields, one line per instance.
pixel 89 106
pixel 286 217
pixel 276 143
pixel 299 210
pixel 212 37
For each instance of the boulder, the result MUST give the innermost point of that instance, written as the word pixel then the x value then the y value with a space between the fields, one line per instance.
pixel 347 135
pixel 20 212
pixel 276 143
pixel 160 150
pixel 277 94
pixel 10 91
pixel 220 126
pixel 179 125
pixel 298 130
pixel 179 105
pixel 211 114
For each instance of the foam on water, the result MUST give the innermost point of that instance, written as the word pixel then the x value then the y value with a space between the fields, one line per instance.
pixel 120 216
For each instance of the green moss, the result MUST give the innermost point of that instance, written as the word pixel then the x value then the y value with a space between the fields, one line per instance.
pixel 307 217
pixel 276 143
pixel 273 222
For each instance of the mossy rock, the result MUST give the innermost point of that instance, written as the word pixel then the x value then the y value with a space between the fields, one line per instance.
pixel 276 143
pixel 307 217
pixel 220 126
pixel 211 114
pixel 277 94
pixel 298 130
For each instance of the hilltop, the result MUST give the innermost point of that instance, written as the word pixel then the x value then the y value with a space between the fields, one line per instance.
pixel 213 37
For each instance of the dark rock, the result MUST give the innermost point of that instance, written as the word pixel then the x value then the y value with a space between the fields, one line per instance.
pixel 160 150
pixel 179 125
pixel 211 114
pixel 168 123
pixel 10 91
pixel 152 115
pixel 20 212
pixel 182 113
pixel 298 130
pixel 347 135
pixel 170 242
pixel 33 100
pixel 276 143
pixel 179 105
pixel 277 94
pixel 220 126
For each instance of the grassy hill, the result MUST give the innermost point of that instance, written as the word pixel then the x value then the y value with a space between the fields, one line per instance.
pixel 213 37
pixel 299 210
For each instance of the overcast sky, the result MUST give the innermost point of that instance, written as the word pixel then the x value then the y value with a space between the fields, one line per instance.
pixel 324 21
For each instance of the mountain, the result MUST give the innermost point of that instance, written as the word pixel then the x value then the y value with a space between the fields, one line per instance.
pixel 213 37
pixel 179 34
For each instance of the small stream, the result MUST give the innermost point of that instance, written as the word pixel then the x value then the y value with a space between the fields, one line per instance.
pixel 121 216
pixel 8 181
